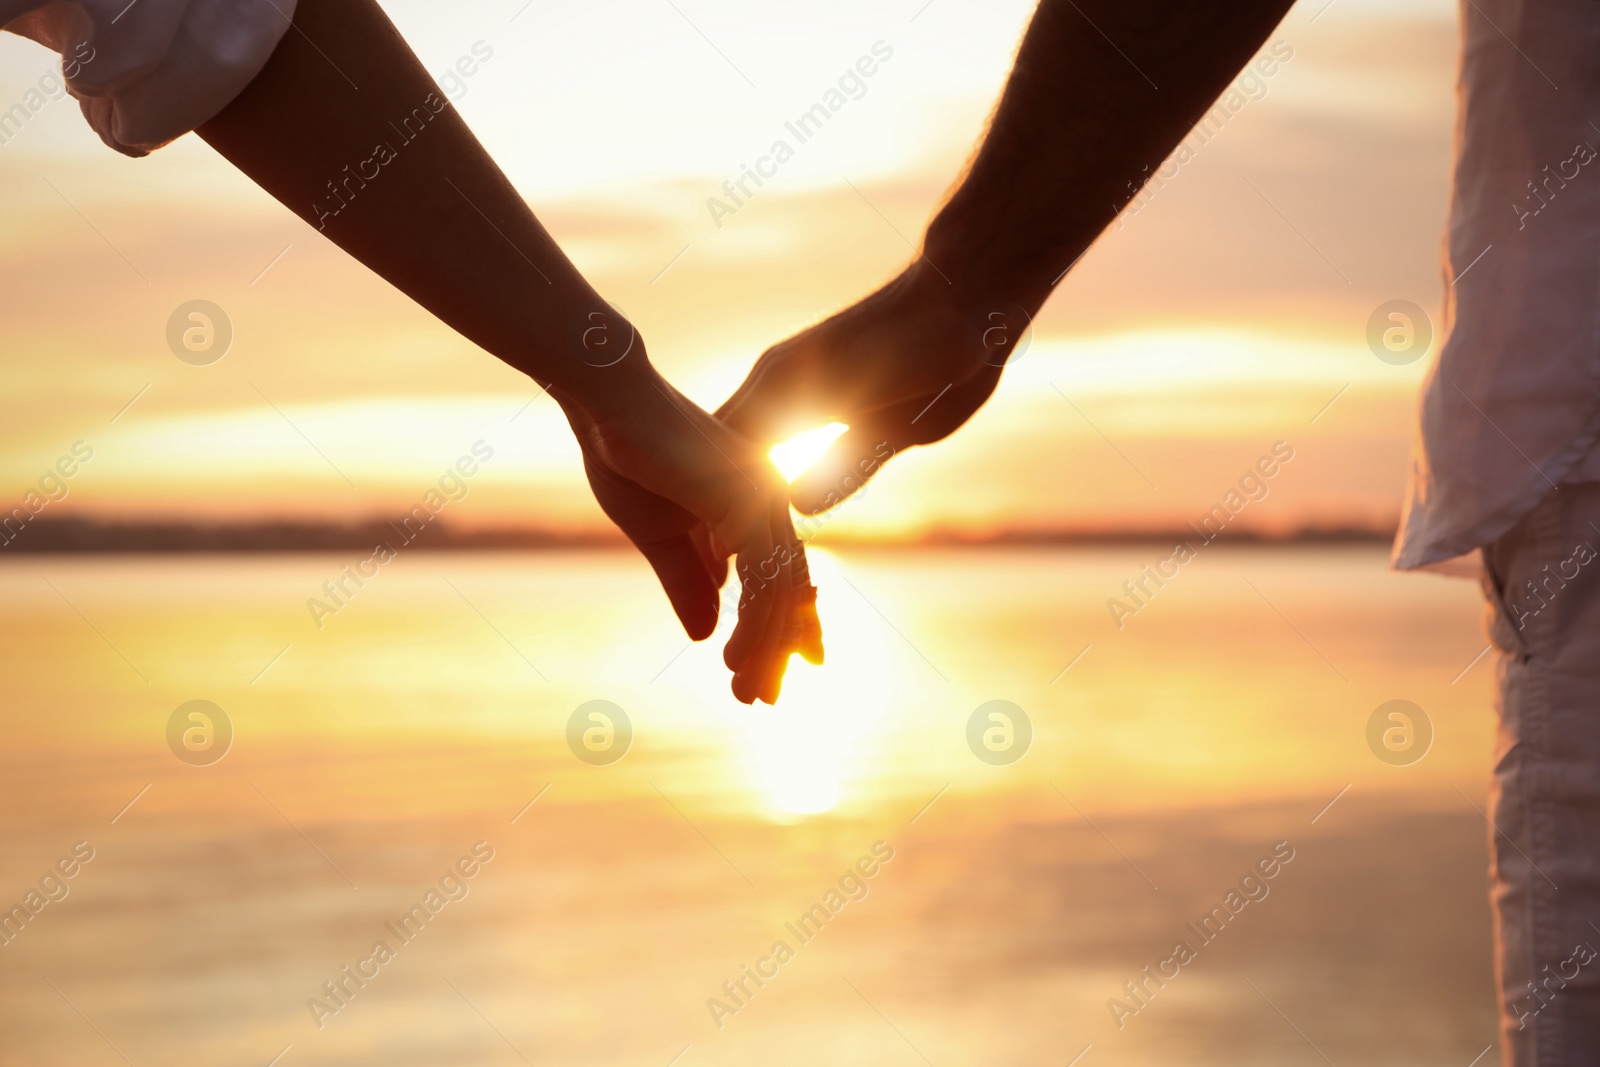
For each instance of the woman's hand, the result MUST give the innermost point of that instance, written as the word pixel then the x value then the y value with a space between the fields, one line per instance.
pixel 448 228
pixel 688 492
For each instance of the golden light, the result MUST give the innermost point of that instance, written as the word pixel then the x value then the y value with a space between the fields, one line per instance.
pixel 807 754
pixel 794 456
pixel 813 750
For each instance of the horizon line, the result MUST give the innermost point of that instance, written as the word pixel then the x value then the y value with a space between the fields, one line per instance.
pixel 100 536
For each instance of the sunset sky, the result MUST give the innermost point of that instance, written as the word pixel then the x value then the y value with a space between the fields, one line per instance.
pixel 1219 316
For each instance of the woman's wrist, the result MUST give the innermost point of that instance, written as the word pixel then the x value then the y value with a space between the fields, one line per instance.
pixel 607 377
pixel 588 356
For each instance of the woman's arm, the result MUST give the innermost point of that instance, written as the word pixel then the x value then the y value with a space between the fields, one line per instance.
pixel 346 128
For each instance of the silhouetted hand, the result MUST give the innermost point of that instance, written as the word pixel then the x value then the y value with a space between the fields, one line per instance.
pixel 689 493
pixel 905 366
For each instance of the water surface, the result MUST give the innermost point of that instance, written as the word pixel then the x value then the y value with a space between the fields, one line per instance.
pixel 374 752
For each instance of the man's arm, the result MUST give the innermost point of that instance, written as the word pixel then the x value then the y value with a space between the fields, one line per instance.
pixel 345 127
pixel 1101 92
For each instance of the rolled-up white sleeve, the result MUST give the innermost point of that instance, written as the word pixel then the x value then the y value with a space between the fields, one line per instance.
pixel 148 71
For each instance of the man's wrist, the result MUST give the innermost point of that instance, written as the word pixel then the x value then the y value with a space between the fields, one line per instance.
pixel 982 260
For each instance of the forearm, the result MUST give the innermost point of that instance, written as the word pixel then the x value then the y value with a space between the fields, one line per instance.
pixel 1102 91
pixel 347 129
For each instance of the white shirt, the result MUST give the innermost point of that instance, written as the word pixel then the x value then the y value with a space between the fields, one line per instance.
pixel 148 71
pixel 1511 409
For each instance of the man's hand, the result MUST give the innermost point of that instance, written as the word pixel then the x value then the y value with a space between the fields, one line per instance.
pixel 905 366
pixel 1101 93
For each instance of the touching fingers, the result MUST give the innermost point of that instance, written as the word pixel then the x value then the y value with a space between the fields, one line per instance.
pixel 761 677
pixel 777 609
pixel 755 566
pixel 762 601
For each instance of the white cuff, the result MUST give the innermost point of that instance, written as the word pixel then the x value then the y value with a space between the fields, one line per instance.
pixel 149 71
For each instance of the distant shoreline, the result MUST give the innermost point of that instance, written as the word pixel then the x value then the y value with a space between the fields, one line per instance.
pixel 88 537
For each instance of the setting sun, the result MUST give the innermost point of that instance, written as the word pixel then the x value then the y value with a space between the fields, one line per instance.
pixel 796 455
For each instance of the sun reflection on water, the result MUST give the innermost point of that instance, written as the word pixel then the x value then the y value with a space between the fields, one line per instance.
pixel 804 754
